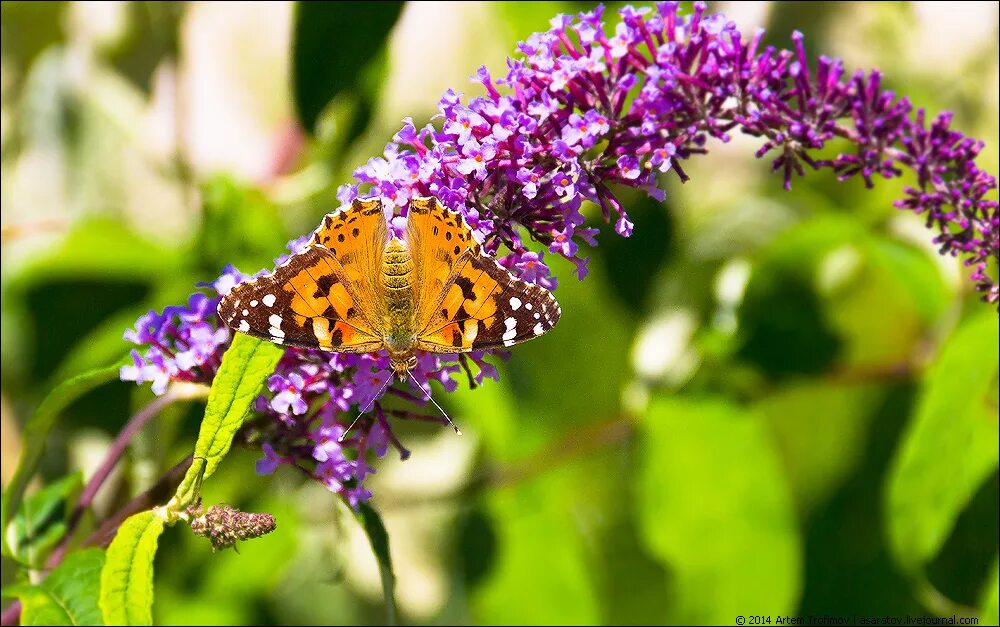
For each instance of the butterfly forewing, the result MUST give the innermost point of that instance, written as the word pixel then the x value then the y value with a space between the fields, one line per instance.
pixel 321 297
pixel 304 303
pixel 356 236
pixel 437 239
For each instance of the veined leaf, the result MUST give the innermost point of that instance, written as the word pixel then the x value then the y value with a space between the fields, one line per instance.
pixel 244 370
pixel 68 596
pixel 127 577
pixel 36 432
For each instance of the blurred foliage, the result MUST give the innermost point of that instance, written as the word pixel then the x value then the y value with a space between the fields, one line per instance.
pixel 761 403
pixel 320 76
pixel 67 596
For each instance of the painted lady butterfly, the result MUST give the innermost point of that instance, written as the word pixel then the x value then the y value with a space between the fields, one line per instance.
pixel 355 289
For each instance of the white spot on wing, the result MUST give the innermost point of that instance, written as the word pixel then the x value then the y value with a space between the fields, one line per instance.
pixel 538 330
pixel 253 303
pixel 527 306
pixel 515 303
pixel 246 312
pixel 275 321
pixel 268 300
pixel 511 331
pixel 244 326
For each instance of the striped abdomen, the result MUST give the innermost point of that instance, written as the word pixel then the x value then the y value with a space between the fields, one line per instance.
pixel 397 278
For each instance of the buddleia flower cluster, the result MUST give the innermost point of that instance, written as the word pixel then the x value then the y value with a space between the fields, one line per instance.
pixel 582 111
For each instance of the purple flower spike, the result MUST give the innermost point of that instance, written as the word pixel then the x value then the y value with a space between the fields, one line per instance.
pixel 583 109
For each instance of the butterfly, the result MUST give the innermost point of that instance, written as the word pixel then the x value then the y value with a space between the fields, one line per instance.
pixel 356 289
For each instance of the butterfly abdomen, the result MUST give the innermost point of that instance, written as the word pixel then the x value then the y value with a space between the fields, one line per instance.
pixel 397 278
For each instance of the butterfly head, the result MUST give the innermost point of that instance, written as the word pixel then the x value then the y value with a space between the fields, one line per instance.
pixel 401 364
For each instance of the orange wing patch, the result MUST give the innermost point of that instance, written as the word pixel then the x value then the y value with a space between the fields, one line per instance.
pixel 357 236
pixel 437 238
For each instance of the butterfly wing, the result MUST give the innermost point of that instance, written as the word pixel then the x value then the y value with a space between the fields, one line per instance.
pixel 325 297
pixel 485 306
pixel 304 303
pixel 466 300
pixel 439 242
pixel 356 236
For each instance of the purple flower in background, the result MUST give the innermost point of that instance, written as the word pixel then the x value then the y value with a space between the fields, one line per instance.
pixel 327 440
pixel 184 343
pixel 270 462
pixel 289 391
pixel 475 156
pixel 584 111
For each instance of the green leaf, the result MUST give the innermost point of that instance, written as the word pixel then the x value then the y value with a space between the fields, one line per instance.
pixel 68 596
pixel 714 506
pixel 886 302
pixel 239 225
pixel 127 577
pixel 541 574
pixel 245 368
pixel 332 42
pixel 40 521
pixel 36 433
pixel 836 412
pixel 102 248
pixel 951 445
pixel 989 614
pixel 782 306
pixel 379 539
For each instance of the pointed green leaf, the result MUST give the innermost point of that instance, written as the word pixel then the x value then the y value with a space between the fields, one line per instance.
pixel 127 578
pixel 245 369
pixel 36 433
pixel 715 506
pixel 379 539
pixel 68 596
pixel 951 445
pixel 40 522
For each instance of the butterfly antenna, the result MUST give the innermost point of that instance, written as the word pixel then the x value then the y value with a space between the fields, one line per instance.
pixel 367 407
pixel 440 409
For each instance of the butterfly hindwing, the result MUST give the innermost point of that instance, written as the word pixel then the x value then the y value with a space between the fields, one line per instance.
pixel 485 306
pixel 306 302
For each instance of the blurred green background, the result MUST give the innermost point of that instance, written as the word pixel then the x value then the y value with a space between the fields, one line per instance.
pixel 761 403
